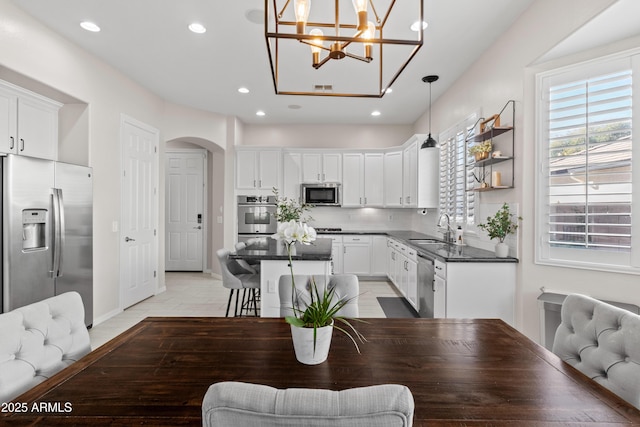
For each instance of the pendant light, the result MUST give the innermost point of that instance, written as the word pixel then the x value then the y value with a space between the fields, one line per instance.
pixel 430 142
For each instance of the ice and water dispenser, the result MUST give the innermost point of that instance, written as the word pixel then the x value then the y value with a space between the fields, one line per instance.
pixel 34 222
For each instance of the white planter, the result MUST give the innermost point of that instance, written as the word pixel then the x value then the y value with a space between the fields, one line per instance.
pixel 303 344
pixel 502 250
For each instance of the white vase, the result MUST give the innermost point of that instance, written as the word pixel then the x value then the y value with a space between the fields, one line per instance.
pixel 303 344
pixel 502 250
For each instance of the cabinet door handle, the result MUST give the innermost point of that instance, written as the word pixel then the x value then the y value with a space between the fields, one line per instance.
pixel 254 183
pixel 324 177
pixel 344 249
pixel 12 143
pixel 365 200
pixel 400 199
pixel 21 144
pixel 318 177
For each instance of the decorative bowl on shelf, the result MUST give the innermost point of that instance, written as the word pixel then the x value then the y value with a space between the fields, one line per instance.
pixel 481 155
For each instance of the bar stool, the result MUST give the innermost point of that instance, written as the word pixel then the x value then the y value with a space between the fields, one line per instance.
pixel 236 278
pixel 252 264
pixel 244 263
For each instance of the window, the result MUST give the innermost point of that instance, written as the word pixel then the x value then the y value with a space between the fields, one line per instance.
pixel 585 149
pixel 455 177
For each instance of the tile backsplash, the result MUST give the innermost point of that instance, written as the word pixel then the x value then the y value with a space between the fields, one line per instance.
pixel 380 219
pixel 362 218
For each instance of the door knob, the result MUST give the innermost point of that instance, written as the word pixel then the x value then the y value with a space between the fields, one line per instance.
pixel 198 228
pixel 129 239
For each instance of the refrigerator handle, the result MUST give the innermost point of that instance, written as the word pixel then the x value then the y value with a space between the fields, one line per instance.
pixel 58 232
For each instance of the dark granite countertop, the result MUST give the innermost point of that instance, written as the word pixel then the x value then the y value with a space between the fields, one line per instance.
pixel 443 251
pixel 318 250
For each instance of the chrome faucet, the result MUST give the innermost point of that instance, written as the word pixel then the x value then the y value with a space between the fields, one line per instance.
pixel 448 233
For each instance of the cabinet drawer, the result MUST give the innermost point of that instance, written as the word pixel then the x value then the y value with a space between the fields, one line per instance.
pixel 335 238
pixel 440 268
pixel 357 239
pixel 411 253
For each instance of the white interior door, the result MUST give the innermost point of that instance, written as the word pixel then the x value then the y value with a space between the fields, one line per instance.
pixel 184 203
pixel 139 243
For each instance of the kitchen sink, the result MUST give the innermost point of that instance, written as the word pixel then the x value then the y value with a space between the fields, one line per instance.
pixel 427 241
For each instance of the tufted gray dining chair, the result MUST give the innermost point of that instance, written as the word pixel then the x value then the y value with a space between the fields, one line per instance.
pixel 236 278
pixel 253 405
pixel 602 342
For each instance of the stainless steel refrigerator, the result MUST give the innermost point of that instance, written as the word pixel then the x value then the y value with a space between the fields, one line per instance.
pixel 47 231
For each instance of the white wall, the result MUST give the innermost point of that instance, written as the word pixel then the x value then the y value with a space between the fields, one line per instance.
pixel 33 53
pixel 326 136
pixel 503 72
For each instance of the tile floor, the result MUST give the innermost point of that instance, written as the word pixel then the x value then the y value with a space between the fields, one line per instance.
pixel 199 294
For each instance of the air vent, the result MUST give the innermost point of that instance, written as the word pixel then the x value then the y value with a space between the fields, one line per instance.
pixel 323 88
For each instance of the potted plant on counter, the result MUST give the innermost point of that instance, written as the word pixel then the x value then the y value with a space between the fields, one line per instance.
pixel 290 210
pixel 313 319
pixel 499 227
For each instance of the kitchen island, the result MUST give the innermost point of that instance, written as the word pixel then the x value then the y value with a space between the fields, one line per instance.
pixel 274 262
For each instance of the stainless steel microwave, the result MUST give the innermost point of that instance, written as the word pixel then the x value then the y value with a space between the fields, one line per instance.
pixel 321 194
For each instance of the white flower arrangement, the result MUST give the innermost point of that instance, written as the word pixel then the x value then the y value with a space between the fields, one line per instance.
pixel 321 309
pixel 292 231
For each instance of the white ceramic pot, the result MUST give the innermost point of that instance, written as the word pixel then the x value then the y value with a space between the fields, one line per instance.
pixel 502 250
pixel 303 344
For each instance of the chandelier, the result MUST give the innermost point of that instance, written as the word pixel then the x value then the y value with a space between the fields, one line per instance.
pixel 307 41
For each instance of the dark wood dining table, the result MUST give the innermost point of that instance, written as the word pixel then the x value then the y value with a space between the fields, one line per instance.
pixel 460 372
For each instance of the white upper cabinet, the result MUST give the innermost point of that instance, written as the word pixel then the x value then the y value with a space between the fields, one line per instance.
pixel 420 174
pixel 428 177
pixel 399 177
pixel 393 181
pixel 292 175
pixel 373 183
pixel 410 175
pixel 363 179
pixel 353 169
pixel 321 167
pixel 28 123
pixel 258 169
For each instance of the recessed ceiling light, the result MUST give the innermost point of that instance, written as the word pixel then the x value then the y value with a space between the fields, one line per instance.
pixel 416 26
pixel 197 28
pixel 260 113
pixel 90 26
pixel 243 90
pixel 375 113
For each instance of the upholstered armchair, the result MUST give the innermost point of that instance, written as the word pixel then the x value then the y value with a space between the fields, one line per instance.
pixel 602 342
pixel 38 340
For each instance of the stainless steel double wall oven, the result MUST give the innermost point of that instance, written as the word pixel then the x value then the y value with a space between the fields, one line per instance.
pixel 256 217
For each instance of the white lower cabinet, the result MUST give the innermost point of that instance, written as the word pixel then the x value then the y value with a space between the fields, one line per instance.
pixel 481 290
pixel 336 253
pixel 356 254
pixel 402 270
pixel 378 255
pixel 411 271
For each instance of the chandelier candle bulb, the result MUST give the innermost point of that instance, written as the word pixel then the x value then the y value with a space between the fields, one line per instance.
pixel 496 179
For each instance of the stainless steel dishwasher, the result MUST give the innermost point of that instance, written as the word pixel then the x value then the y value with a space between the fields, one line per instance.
pixel 426 292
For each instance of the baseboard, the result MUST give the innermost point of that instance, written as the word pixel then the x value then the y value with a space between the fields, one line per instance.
pixel 105 317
